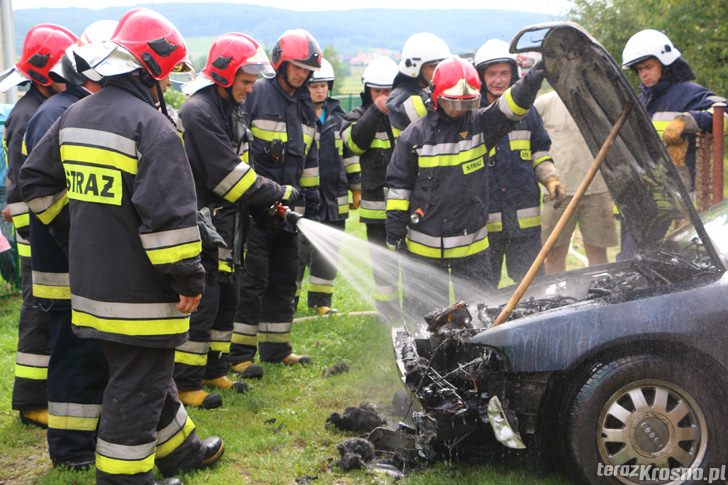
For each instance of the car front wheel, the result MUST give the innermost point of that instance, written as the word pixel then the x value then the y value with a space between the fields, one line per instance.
pixel 647 419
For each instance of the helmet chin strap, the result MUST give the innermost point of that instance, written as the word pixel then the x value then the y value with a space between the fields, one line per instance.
pixel 282 74
pixel 46 91
pixel 231 98
pixel 422 81
pixel 285 80
pixel 160 95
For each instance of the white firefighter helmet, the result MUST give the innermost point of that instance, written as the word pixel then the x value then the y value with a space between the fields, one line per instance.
pixel 326 73
pixel 494 51
pixel 380 73
pixel 421 48
pixel 96 33
pixel 649 43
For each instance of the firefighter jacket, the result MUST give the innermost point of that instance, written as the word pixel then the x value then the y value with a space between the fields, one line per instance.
pixel 367 134
pixel 283 148
pixel 437 202
pixel 335 176
pixel 217 143
pixel 13 135
pixel 49 261
pixel 669 98
pixel 407 103
pixel 514 206
pixel 120 166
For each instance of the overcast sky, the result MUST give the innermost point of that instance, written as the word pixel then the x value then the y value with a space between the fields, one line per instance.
pixel 551 7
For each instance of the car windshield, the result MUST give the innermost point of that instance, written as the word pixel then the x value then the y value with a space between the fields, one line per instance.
pixel 715 221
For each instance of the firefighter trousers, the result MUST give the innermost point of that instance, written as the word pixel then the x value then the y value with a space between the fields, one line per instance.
pixel 266 294
pixel 143 423
pixel 323 272
pixel 77 376
pixel 518 252
pixel 33 351
pixel 204 355
pixel 386 276
pixel 424 291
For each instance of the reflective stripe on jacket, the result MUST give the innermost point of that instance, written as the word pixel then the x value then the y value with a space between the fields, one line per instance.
pixel 275 115
pixel 134 244
pixel 51 282
pixel 438 181
pixel 365 134
pixel 218 151
pixel 514 204
pixel 13 143
pixel 335 180
pixel 406 104
pixel 667 99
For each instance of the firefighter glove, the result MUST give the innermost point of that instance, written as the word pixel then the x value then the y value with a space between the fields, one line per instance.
pixel 396 244
pixel 691 126
pixel 536 74
pixel 290 193
pixel 556 190
pixel 678 152
pixel 675 132
pixel 355 199
pixel 211 239
pixel 525 90
pixel 267 219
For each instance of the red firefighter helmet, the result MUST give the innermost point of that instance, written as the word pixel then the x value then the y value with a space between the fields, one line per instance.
pixel 233 51
pixel 299 48
pixel 153 40
pixel 44 45
pixel 456 82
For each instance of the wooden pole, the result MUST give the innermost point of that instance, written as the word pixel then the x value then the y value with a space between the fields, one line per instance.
pixel 558 229
pixel 718 112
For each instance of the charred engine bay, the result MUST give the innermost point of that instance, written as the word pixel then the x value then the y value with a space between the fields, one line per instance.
pixel 648 274
pixel 454 380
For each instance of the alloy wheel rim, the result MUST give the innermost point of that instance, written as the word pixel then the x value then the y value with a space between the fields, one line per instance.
pixel 651 422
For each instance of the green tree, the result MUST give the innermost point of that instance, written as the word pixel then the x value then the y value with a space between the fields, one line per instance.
pixel 341 70
pixel 696 27
pixel 174 98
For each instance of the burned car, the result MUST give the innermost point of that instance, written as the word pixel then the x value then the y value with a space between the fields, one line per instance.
pixel 619 370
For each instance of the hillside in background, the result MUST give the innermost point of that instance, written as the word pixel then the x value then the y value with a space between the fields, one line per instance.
pixel 348 32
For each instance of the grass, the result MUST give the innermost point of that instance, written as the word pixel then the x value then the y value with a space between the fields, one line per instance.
pixel 275 433
pixel 352 83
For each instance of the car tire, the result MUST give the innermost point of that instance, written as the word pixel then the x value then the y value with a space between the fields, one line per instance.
pixel 646 409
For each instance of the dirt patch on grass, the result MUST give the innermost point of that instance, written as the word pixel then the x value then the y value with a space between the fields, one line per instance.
pixel 21 469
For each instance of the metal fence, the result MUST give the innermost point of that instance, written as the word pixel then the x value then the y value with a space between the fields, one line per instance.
pixel 348 101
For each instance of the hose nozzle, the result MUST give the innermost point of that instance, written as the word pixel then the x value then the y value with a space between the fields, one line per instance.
pixel 285 213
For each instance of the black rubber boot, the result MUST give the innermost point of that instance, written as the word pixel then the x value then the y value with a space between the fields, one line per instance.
pixel 247 370
pixel 214 449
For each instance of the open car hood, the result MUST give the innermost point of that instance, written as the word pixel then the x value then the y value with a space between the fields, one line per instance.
pixel 638 170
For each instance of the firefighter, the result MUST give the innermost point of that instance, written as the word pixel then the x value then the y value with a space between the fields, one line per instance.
pixel 437 201
pixel 679 107
pixel 216 141
pixel 411 93
pixel 77 370
pixel 516 165
pixel 134 264
pixel 335 181
pixel 43 47
pixel 283 123
pixel 368 135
